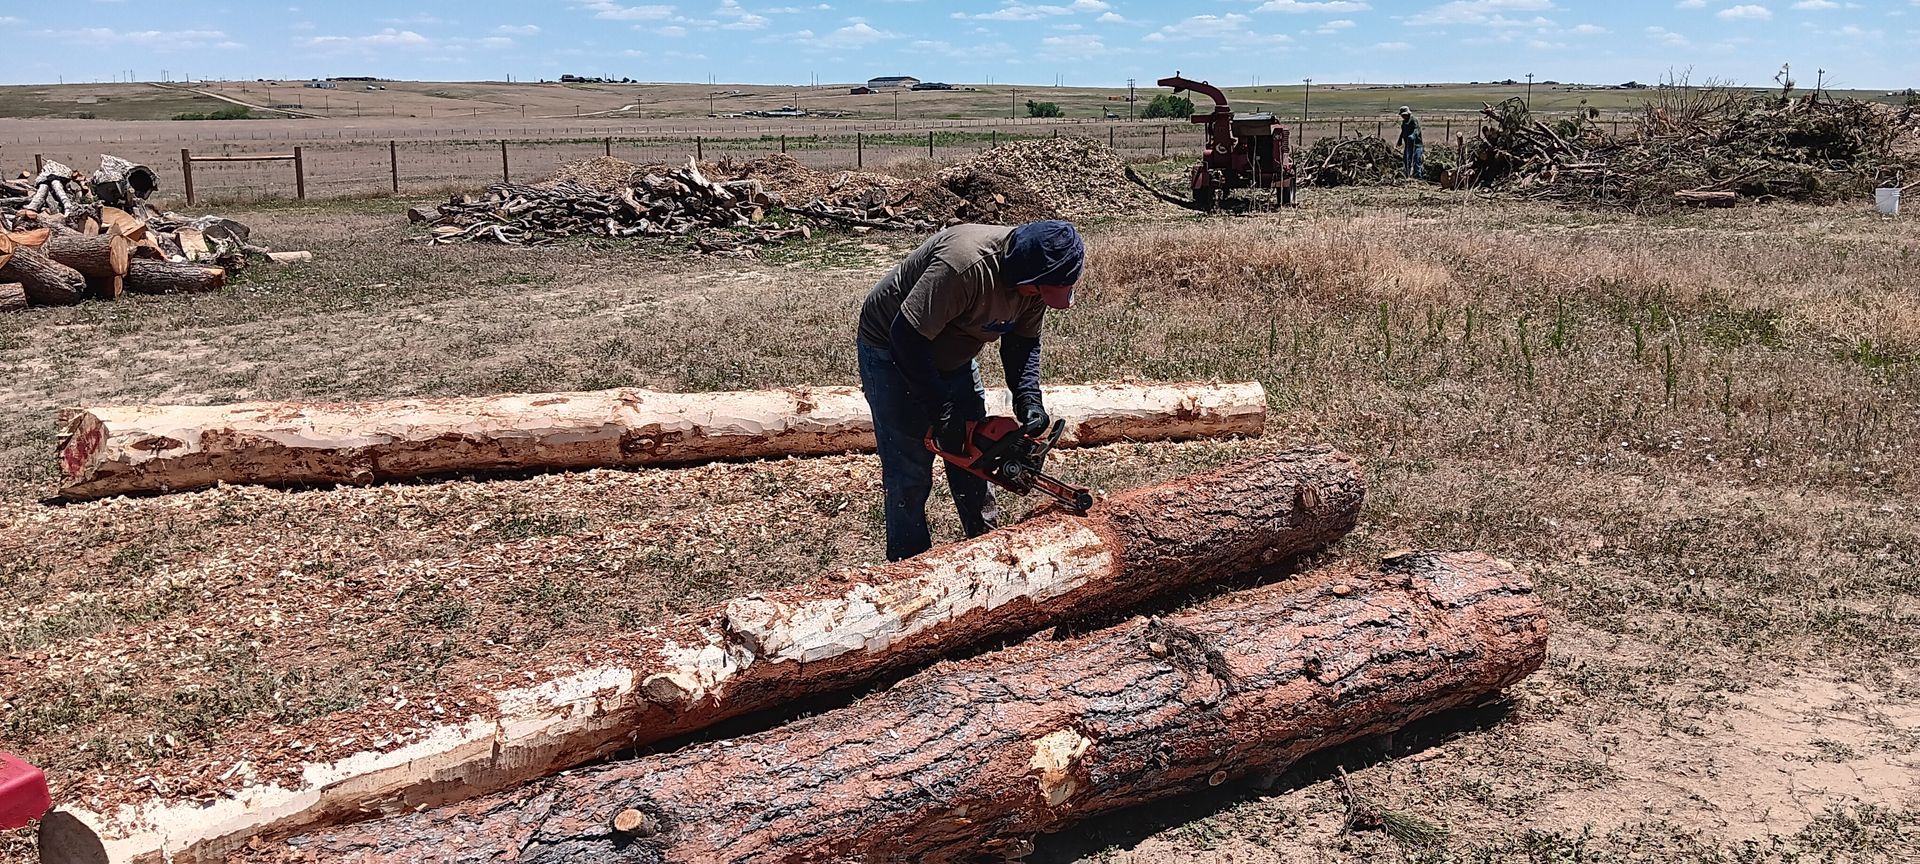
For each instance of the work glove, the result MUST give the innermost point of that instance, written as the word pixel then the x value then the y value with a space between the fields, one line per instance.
pixel 1031 413
pixel 950 430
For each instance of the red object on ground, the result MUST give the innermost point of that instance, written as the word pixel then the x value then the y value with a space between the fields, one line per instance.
pixel 23 792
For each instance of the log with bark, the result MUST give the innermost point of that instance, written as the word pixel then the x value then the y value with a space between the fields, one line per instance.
pixel 122 183
pixel 114 451
pixel 46 282
pixel 13 297
pixel 103 259
pixel 973 758
pixel 146 276
pixel 749 655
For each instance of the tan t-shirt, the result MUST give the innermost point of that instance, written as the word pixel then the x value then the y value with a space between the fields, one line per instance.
pixel 950 289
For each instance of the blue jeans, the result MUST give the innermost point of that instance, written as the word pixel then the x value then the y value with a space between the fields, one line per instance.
pixel 1413 155
pixel 900 425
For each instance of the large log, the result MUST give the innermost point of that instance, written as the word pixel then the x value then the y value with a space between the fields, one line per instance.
pixel 103 259
pixel 752 654
pixel 976 757
pixel 13 297
pixel 146 276
pixel 114 451
pixel 47 282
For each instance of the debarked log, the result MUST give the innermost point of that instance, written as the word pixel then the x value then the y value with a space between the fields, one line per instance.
pixel 761 652
pixel 974 757
pixel 115 451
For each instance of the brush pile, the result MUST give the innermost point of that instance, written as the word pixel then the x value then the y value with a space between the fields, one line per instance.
pixel 67 235
pixel 1710 146
pixel 715 218
pixel 1072 178
pixel 1359 160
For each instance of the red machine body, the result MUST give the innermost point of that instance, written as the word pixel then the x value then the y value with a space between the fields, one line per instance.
pixel 23 792
pixel 1244 151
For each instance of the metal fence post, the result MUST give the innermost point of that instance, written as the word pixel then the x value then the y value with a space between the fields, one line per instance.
pixel 506 174
pixel 299 175
pixel 393 163
pixel 186 172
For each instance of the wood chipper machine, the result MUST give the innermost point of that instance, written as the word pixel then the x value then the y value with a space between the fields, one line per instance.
pixel 1244 151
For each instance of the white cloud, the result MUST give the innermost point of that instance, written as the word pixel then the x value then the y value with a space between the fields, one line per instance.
pixel 795 10
pixel 1018 12
pixel 1814 5
pixel 416 18
pixel 1335 26
pixel 856 34
pixel 1079 45
pixel 616 12
pixel 1304 6
pixel 671 31
pixel 518 29
pixel 8 21
pixel 1691 4
pixel 1484 12
pixel 1201 26
pixel 1587 30
pixel 388 38
pixel 1090 6
pixel 151 40
pixel 1745 12
pixel 738 18
pixel 1391 46
pixel 1667 37
pixel 1112 18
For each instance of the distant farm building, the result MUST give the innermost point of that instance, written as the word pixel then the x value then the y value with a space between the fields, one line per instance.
pixel 892 82
pixel 321 85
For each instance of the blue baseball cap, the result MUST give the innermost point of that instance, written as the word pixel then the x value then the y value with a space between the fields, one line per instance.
pixel 1049 254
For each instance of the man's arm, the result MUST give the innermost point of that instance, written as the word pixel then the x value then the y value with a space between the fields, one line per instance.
pixel 1020 356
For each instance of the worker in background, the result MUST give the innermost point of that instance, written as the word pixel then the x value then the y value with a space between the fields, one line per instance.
pixel 1412 150
pixel 922 328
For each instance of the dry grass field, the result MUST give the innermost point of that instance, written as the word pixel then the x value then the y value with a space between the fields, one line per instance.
pixel 1695 432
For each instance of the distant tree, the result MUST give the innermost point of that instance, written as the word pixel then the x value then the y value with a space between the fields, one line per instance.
pixel 1043 109
pixel 1913 99
pixel 1168 105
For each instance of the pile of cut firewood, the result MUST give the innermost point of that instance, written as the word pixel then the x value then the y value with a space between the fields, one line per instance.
pixel 718 218
pixel 67 235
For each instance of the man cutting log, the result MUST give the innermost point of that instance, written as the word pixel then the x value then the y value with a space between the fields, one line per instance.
pixel 921 332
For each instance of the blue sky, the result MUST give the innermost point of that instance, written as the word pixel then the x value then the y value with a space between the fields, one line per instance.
pixel 1861 43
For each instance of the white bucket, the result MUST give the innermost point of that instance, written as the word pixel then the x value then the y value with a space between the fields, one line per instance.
pixel 1887 201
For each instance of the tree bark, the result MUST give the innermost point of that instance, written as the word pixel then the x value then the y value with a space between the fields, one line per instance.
pixel 114 451
pixel 977 756
pixel 753 654
pixel 103 259
pixel 45 281
pixel 165 277
pixel 13 297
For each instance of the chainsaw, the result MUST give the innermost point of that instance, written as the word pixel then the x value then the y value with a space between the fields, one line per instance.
pixel 998 452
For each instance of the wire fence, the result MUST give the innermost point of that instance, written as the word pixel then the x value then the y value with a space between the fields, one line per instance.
pixel 338 167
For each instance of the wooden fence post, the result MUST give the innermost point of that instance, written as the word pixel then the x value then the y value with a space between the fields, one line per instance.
pixel 299 175
pixel 699 149
pixel 929 144
pixel 607 147
pixel 859 150
pixel 506 174
pixel 39 164
pixel 1110 139
pixel 1163 140
pixel 1449 127
pixel 393 163
pixel 783 142
pixel 1380 129
pixel 186 172
pixel 993 138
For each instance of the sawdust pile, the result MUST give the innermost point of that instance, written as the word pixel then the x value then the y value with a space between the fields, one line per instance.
pixel 793 181
pixel 603 174
pixel 1073 178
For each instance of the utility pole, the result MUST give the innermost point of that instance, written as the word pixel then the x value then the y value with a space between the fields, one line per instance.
pixel 1306 104
pixel 896 104
pixel 1130 99
pixel 1529 91
pixel 1015 114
